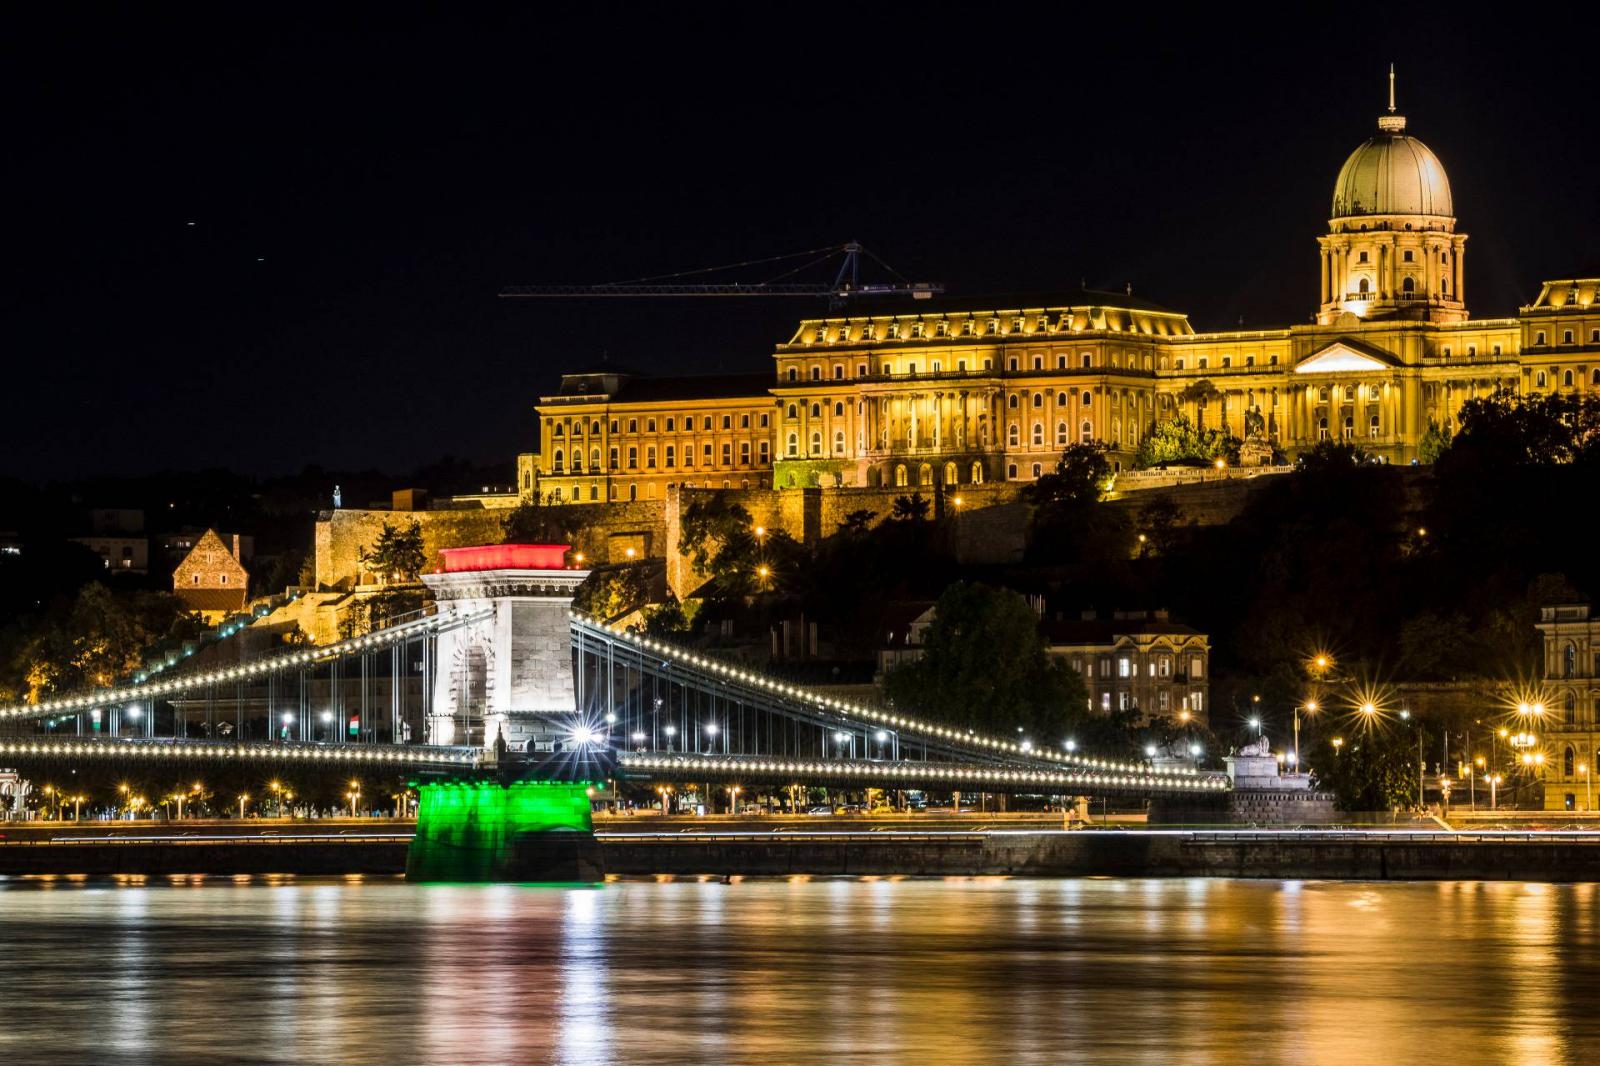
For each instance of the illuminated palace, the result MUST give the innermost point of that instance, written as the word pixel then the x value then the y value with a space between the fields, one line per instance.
pixel 959 392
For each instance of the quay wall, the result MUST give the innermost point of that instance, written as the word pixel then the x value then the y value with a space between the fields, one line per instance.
pixel 1082 853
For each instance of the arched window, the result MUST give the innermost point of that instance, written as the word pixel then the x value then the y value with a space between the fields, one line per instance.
pixel 1038 400
pixel 1408 285
pixel 1568 758
pixel 816 444
pixel 1011 401
pixel 1086 432
pixel 900 476
pixel 1322 394
pixel 1086 399
pixel 1038 434
pixel 924 474
pixel 1541 379
pixel 1362 287
pixel 816 410
pixel 577 460
pixel 1037 469
pixel 951 474
pixel 977 473
pixel 1594 375
pixel 838 410
pixel 1061 399
pixel 1349 394
pixel 838 442
pixel 559 431
pixel 1322 429
pixel 594 458
pixel 560 458
pixel 1061 434
pixel 1011 471
pixel 1011 435
pixel 794 445
pixel 1372 428
pixel 1566 379
pixel 794 412
pixel 1569 710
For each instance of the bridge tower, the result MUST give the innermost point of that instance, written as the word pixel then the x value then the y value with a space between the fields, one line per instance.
pixel 509 674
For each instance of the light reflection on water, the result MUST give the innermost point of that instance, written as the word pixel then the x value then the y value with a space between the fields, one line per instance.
pixel 879 970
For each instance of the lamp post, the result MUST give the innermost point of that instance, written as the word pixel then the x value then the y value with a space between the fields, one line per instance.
pixel 244 797
pixel 1494 781
pixel 1588 787
pixel 1310 707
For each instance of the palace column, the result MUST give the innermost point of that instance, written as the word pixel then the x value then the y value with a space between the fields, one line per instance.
pixel 1325 273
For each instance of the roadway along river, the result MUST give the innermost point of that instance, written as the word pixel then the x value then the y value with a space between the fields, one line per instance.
pixel 869 971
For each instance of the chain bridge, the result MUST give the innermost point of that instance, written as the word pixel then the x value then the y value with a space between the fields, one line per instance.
pixel 502 663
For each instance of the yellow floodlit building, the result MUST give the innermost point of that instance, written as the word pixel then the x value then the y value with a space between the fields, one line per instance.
pixel 962 391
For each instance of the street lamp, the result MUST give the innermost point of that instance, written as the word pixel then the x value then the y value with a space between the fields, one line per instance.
pixel 1588 787
pixel 244 797
pixel 1338 742
pixel 1310 707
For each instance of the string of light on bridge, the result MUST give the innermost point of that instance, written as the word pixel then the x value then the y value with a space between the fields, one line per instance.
pixel 902 722
pixel 108 697
pixel 408 755
pixel 913 773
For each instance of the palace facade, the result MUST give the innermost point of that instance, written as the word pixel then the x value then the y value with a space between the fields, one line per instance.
pixel 955 392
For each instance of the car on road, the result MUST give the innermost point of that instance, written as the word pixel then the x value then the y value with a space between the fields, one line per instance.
pixel 824 809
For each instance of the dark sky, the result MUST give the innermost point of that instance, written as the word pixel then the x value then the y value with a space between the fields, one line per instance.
pixel 261 242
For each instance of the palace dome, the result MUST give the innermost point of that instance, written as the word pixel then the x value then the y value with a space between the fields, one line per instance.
pixel 1392 174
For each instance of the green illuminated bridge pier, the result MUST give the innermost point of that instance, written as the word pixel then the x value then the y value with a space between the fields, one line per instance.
pixel 508 707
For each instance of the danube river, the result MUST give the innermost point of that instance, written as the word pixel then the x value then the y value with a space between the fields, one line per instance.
pixel 870 971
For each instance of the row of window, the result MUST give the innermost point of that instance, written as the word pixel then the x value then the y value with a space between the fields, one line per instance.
pixel 1013 364
pixel 669 454
pixel 1568 379
pixel 557 429
pixel 1193 702
pixel 1540 338
pixel 632 492
pixel 1159 666
pixel 941 328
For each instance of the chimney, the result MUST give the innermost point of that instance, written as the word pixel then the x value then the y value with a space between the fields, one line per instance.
pixel 236 549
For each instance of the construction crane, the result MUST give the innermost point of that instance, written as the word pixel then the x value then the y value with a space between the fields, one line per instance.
pixel 846 284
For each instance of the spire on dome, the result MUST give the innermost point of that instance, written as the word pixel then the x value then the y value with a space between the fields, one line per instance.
pixel 1391 123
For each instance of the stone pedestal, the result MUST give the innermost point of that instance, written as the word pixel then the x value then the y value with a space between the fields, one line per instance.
pixel 518 831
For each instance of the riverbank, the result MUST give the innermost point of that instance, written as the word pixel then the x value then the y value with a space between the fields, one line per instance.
pixel 1305 854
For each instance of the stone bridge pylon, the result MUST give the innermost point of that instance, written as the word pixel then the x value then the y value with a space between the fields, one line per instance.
pixel 510 672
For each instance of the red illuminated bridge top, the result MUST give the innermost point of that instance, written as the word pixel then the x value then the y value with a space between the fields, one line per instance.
pixel 505 557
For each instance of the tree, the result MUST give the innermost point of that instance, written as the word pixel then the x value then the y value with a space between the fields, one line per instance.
pixel 712 529
pixel 1157 526
pixel 397 554
pixel 1505 430
pixel 613 591
pixel 912 508
pixel 1178 440
pixel 1376 770
pixel 534 522
pixel 984 666
pixel 1435 442
pixel 1082 475
pixel 857 523
pixel 95 639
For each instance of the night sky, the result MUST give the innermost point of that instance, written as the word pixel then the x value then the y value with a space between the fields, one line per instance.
pixel 262 244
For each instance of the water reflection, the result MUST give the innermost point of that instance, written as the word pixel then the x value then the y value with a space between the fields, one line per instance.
pixel 879 970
